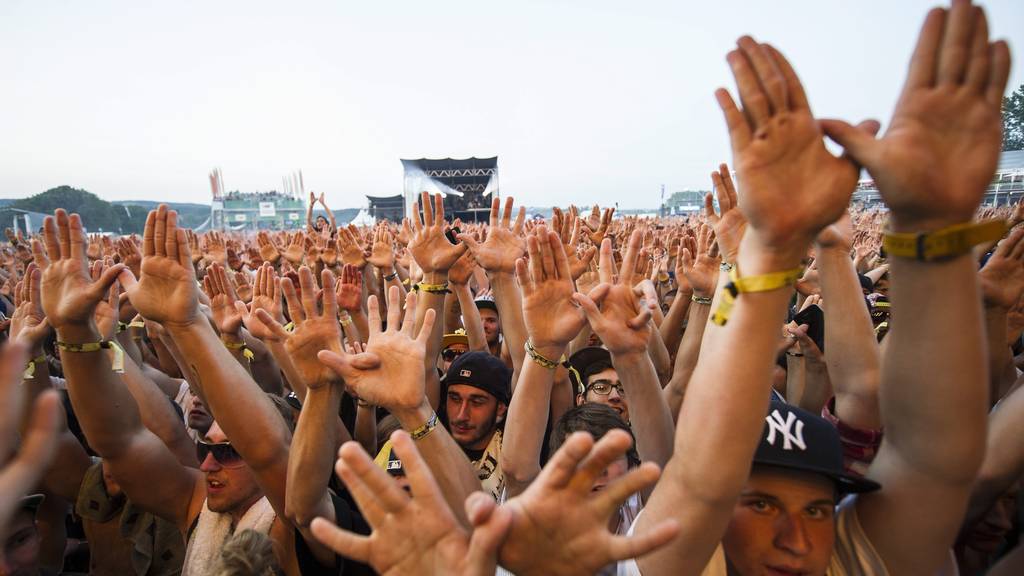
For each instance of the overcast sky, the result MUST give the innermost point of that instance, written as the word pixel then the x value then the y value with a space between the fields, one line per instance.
pixel 581 100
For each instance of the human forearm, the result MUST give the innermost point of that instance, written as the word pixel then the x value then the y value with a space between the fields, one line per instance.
pixel 236 402
pixel 686 357
pixel 525 424
pixel 1000 357
pixel 471 318
pixel 854 366
pixel 659 356
pixel 313 450
pixel 650 418
pixel 672 327
pixel 157 414
pixel 936 369
pixel 435 301
pixel 365 432
pixel 509 301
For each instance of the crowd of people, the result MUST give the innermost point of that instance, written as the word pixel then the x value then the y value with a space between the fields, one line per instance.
pixel 780 385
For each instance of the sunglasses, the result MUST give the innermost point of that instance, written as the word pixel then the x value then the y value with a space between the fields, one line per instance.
pixel 448 354
pixel 223 452
pixel 604 387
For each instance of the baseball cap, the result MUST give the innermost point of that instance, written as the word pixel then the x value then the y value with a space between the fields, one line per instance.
pixel 799 440
pixel 579 361
pixel 457 337
pixel 481 370
pixel 393 466
pixel 486 302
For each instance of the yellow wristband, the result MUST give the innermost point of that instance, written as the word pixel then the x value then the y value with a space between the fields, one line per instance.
pixel 116 353
pixel 943 244
pixel 426 428
pixel 760 283
pixel 432 288
pixel 539 358
pixel 30 368
pixel 764 282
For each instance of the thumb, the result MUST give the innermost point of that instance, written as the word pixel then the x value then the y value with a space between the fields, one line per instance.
pixel 469 241
pixel 858 141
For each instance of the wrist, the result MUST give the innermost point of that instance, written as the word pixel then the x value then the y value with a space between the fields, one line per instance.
pixel 757 257
pixel 413 417
pixel 78 333
pixel 550 350
pixel 435 277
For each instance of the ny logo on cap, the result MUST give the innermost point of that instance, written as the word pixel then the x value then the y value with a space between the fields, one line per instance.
pixel 785 428
pixel 465 373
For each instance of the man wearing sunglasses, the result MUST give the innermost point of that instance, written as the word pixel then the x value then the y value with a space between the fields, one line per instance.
pixel 243 464
pixel 597 381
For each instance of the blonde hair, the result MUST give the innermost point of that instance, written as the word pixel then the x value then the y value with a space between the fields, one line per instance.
pixel 248 553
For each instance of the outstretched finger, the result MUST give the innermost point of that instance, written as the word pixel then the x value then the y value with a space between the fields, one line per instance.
pixel 148 234
pixel 752 96
pixel 955 46
pixel 605 270
pixel 740 132
pixel 291 300
pixel 561 468
pixel 427 327
pixel 368 482
pixel 373 314
pixel 617 492
pixel 612 446
pixel 624 547
pixel 343 542
pixel 409 320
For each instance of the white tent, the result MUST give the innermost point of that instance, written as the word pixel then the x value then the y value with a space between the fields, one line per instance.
pixel 363 219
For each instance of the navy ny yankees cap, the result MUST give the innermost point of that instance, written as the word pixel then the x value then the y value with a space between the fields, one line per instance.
pixel 798 440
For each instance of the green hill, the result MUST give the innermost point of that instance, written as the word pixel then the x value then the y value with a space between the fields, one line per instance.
pixel 124 217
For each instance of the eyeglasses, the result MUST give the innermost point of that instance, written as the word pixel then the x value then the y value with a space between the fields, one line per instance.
pixel 223 452
pixel 604 387
pixel 450 354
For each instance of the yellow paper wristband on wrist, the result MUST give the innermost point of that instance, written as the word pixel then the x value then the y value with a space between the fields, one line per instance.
pixel 945 243
pixel 759 283
pixel 116 353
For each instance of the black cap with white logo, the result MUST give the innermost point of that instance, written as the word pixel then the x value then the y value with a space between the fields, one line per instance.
pixel 798 440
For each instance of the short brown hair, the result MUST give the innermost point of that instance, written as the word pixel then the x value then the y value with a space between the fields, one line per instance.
pixel 597 420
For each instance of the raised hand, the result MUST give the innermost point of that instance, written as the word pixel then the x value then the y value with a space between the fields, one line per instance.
pixel 793 186
pixel 167 292
pixel 107 312
pixel 349 292
pixel 613 308
pixel 296 248
pixel 429 245
pixel 1002 277
pixel 696 261
pixel 328 250
pixel 568 227
pixel 266 296
pixel 222 300
pixel 390 372
pixel 504 243
pixel 731 224
pixel 597 226
pixel 28 323
pixel 416 532
pixel 382 254
pixel 351 252
pixel 69 294
pixel 243 288
pixel 216 249
pixel 552 319
pixel 316 327
pixel 268 250
pixel 560 524
pixel 462 271
pixel 942 145
pixel 130 255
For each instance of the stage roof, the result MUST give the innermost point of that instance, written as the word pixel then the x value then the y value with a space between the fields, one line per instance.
pixel 450 163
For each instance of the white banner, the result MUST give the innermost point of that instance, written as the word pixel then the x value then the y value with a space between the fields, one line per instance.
pixel 239 217
pixel 267 210
pixel 293 216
